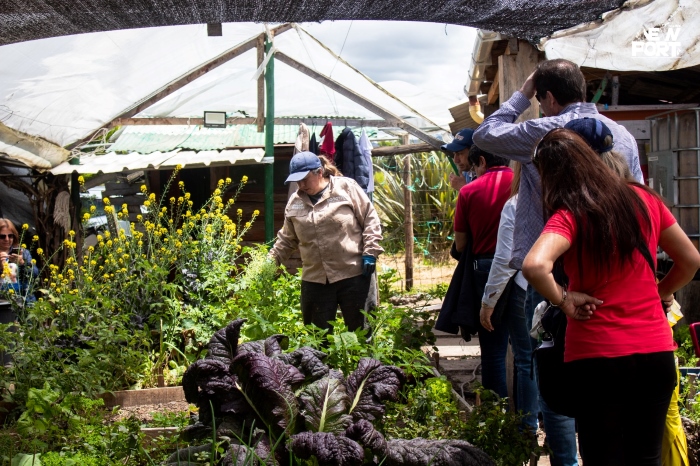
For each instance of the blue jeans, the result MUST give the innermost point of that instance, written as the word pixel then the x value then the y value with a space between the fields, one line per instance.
pixel 526 399
pixel 493 345
pixel 560 430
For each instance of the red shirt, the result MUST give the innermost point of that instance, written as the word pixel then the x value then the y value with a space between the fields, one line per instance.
pixel 631 319
pixel 479 207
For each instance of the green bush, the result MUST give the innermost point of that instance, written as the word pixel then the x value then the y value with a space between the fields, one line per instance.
pixel 135 306
pixel 433 202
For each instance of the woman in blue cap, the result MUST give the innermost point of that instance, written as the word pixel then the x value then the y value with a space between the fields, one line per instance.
pixel 337 231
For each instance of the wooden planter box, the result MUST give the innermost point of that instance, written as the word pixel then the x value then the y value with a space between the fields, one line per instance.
pixel 146 396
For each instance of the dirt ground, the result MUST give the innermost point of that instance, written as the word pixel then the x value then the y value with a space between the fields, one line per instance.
pixel 144 413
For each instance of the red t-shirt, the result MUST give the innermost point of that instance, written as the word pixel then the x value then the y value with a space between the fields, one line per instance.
pixel 479 207
pixel 631 319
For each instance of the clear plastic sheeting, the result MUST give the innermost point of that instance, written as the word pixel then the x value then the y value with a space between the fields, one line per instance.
pixel 63 89
pixel 112 162
pixel 642 36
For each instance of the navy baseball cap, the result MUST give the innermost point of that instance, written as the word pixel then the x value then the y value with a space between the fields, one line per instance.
pixel 301 164
pixel 462 140
pixel 593 131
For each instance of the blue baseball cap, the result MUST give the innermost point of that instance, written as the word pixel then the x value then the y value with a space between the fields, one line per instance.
pixel 301 164
pixel 593 131
pixel 462 140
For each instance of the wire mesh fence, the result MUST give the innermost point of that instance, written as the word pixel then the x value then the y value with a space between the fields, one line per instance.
pixel 432 206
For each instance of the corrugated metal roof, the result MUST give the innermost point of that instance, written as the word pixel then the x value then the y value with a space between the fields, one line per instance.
pixel 147 139
pixel 115 163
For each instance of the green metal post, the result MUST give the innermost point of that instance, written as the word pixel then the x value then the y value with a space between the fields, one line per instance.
pixel 269 145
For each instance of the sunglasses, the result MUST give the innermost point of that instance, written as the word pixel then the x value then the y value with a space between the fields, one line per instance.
pixel 538 97
pixel 10 236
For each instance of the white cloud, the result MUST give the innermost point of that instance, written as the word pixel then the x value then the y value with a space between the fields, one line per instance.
pixel 431 56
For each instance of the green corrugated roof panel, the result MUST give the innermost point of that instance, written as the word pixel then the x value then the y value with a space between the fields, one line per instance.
pixel 147 139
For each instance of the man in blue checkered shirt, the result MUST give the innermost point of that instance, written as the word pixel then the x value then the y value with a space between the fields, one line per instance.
pixel 560 88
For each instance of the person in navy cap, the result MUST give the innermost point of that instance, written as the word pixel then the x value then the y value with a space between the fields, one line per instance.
pixel 333 224
pixel 460 146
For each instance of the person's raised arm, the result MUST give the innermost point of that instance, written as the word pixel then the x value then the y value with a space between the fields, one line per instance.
pixel 500 135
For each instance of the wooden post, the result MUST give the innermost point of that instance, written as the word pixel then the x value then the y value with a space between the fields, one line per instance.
pixel 513 70
pixel 408 216
pixel 269 144
pixel 261 86
pixel 615 90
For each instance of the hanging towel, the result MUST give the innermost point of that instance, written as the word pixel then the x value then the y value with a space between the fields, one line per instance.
pixel 366 151
pixel 302 142
pixel 327 146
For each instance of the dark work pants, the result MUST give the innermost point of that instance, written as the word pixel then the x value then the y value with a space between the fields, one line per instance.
pixel 319 303
pixel 624 402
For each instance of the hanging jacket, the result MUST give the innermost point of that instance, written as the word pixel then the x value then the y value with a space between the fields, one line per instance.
pixel 350 160
pixel 313 145
pixel 326 147
pixel 460 307
pixel 366 150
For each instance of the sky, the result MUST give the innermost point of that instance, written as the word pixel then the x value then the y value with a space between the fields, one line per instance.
pixel 430 56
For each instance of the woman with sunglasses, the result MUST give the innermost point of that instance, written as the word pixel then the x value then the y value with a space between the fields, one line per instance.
pixel 17 268
pixel 618 341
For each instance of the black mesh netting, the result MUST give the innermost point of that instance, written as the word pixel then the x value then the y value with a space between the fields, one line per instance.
pixel 22 20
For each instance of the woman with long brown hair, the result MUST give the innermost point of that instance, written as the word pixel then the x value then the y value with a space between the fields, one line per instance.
pixel 618 341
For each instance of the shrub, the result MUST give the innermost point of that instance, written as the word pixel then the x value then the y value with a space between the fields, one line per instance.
pixel 136 305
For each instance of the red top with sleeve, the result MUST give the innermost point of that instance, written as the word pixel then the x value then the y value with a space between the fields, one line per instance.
pixel 479 207
pixel 631 319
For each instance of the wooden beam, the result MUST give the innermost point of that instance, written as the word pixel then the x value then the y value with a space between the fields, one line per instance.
pixel 251 121
pixel 261 85
pixel 182 81
pixel 512 48
pixel 615 90
pixel 513 70
pixel 100 179
pixel 402 149
pixel 357 98
pixel 408 216
pixel 492 96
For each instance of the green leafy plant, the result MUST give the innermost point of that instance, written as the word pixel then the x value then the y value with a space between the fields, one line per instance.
pixel 433 200
pixel 308 409
pixel 137 306
pixel 685 351
pixel 387 277
pixel 491 420
pixel 426 410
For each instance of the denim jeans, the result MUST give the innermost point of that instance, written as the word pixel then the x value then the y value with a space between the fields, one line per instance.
pixel 525 387
pixel 493 345
pixel 560 430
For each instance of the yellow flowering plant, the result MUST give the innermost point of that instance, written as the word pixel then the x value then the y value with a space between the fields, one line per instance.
pixel 140 303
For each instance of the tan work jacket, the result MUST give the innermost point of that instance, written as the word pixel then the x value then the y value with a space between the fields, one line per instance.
pixel 333 235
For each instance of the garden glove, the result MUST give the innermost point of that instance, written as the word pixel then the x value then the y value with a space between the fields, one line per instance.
pixel 369 263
